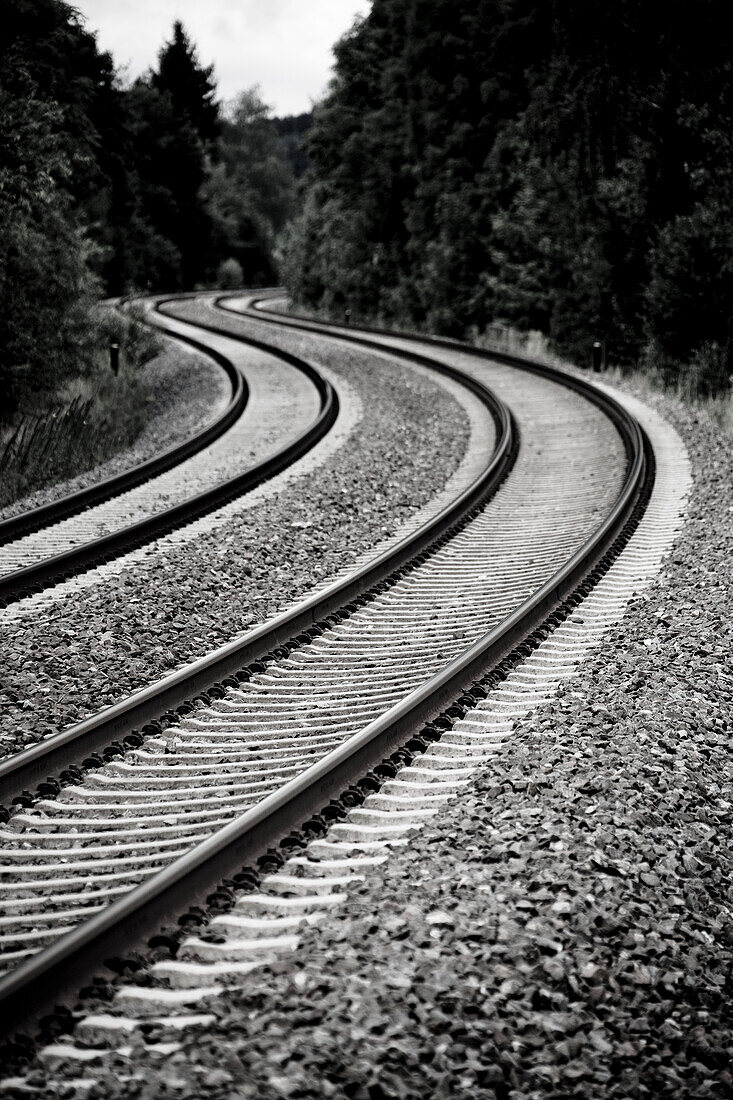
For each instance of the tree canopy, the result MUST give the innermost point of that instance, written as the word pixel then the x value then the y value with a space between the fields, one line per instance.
pixel 190 87
pixel 551 164
pixel 47 140
pixel 108 189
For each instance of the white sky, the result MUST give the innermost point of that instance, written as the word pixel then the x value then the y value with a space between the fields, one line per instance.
pixel 282 45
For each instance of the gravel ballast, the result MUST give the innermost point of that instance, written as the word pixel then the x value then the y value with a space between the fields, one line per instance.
pixel 564 929
pixel 185 390
pixel 97 644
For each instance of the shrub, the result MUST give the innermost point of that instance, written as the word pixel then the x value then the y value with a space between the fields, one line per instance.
pixel 88 417
pixel 229 274
pixel 688 301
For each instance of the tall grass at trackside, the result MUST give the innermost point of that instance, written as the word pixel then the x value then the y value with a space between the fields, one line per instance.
pixel 86 420
pixel 646 378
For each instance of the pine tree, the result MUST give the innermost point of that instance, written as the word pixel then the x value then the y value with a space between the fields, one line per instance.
pixel 190 87
pixel 176 132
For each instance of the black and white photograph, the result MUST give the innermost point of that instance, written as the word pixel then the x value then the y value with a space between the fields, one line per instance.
pixel 366 550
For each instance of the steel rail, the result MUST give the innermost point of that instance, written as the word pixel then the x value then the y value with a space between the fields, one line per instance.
pixel 257 309
pixel 70 562
pixel 55 753
pixel 256 312
pixel 189 878
pixel 35 518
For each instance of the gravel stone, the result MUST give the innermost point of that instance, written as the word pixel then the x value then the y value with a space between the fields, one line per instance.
pixel 184 391
pixel 564 929
pixel 97 644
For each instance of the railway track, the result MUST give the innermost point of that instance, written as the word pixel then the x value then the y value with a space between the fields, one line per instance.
pixel 51 543
pixel 312 705
pixel 16 526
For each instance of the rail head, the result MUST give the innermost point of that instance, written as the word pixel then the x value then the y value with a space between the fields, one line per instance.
pixel 257 310
pixel 33 519
pixel 190 876
pixel 69 746
pixel 67 563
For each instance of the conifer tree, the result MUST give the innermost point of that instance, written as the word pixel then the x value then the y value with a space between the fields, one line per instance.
pixel 183 124
pixel 190 87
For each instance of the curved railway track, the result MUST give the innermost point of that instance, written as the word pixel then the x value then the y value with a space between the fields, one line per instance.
pixel 42 547
pixel 17 526
pixel 232 754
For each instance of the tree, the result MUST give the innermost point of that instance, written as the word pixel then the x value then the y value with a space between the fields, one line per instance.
pixel 46 285
pixel 189 86
pixel 248 192
pixel 168 128
pixel 291 130
pixel 557 164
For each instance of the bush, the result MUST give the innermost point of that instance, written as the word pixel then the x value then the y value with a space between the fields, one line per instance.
pixel 91 419
pixel 229 274
pixel 688 301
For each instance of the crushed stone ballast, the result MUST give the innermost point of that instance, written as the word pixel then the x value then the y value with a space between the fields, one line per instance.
pixel 103 731
pixel 454 611
pixel 219 471
pixel 293 905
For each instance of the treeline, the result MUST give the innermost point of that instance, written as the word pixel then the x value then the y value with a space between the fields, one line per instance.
pixel 556 165
pixel 107 189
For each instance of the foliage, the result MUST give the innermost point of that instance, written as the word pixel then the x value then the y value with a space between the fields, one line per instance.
pixel 248 190
pixel 189 87
pixel 88 417
pixel 229 274
pixel 138 342
pixel 552 164
pixel 46 285
pixel 111 189
pixel 156 180
pixel 106 188
pixel 92 419
pixel 41 443
pixel 290 131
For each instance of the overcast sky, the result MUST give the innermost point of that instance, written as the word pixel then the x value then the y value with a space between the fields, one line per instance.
pixel 282 45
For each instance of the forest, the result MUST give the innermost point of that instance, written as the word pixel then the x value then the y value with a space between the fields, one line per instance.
pixel 109 188
pixel 562 166
pixel 551 165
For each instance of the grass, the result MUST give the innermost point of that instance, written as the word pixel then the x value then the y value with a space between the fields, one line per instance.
pixel 533 344
pixel 718 408
pixel 645 379
pixel 87 420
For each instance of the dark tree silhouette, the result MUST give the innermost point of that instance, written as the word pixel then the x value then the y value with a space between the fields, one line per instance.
pixel 554 164
pixel 105 188
pixel 190 87
pixel 50 72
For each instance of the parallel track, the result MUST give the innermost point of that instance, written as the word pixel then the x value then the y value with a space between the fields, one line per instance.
pixel 132 518
pixel 373 672
pixel 15 527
